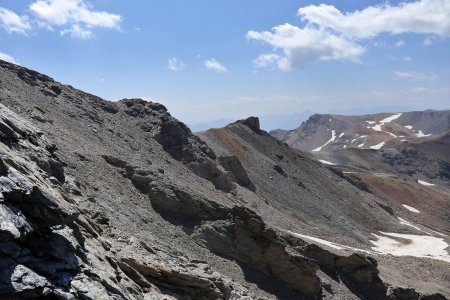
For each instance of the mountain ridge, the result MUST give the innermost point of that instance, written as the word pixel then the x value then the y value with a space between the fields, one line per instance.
pixel 365 131
pixel 119 200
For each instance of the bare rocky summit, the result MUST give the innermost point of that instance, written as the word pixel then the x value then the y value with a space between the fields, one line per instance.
pixel 119 200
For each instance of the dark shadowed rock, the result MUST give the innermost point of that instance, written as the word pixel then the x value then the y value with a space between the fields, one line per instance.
pixel 251 122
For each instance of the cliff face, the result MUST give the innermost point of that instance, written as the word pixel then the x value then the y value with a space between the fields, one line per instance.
pixel 119 200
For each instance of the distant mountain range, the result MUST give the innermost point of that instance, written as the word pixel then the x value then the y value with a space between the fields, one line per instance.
pixel 325 132
pixel 413 144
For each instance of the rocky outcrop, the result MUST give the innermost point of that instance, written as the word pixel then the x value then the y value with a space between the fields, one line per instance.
pixel 250 122
pixel 50 249
pixel 239 234
pixel 177 140
pixel 238 173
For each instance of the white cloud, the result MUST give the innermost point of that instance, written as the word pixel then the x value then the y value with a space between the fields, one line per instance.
pixel 76 16
pixel 212 64
pixel 301 46
pixel 427 42
pixel 76 31
pixel 423 16
pixel 266 60
pixel 8 58
pixel 11 22
pixel 174 64
pixel 329 34
pixel 407 58
pixel 400 43
pixel 417 76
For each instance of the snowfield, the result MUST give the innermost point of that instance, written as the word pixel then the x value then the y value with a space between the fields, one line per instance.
pixel 397 244
pixel 411 245
pixel 333 137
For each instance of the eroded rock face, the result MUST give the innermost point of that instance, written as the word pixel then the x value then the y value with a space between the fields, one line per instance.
pixel 177 140
pixel 50 249
pixel 238 173
pixel 252 123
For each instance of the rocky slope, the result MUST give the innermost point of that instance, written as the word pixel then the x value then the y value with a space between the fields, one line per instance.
pixel 119 200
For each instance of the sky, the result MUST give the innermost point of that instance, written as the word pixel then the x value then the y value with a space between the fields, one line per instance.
pixel 212 62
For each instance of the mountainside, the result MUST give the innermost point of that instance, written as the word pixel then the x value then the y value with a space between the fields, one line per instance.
pixel 119 200
pixel 330 132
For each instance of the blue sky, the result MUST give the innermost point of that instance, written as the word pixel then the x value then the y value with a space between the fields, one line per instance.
pixel 224 60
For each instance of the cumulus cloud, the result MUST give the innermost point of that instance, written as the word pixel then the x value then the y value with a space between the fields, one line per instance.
pixel 11 22
pixel 8 58
pixel 329 34
pixel 76 31
pixel 76 17
pixel 424 16
pixel 174 64
pixel 266 60
pixel 301 46
pixel 417 76
pixel 212 64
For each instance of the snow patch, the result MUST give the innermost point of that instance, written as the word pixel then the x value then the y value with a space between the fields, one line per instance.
pixel 333 137
pixel 378 146
pixel 391 118
pixel 371 122
pixel 376 127
pixel 325 162
pixel 421 134
pixel 425 183
pixel 327 243
pixel 408 127
pixel 417 245
pixel 360 145
pixel 391 134
pixel 410 208
pixel 409 224
pixel 384 121
pixel 341 135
